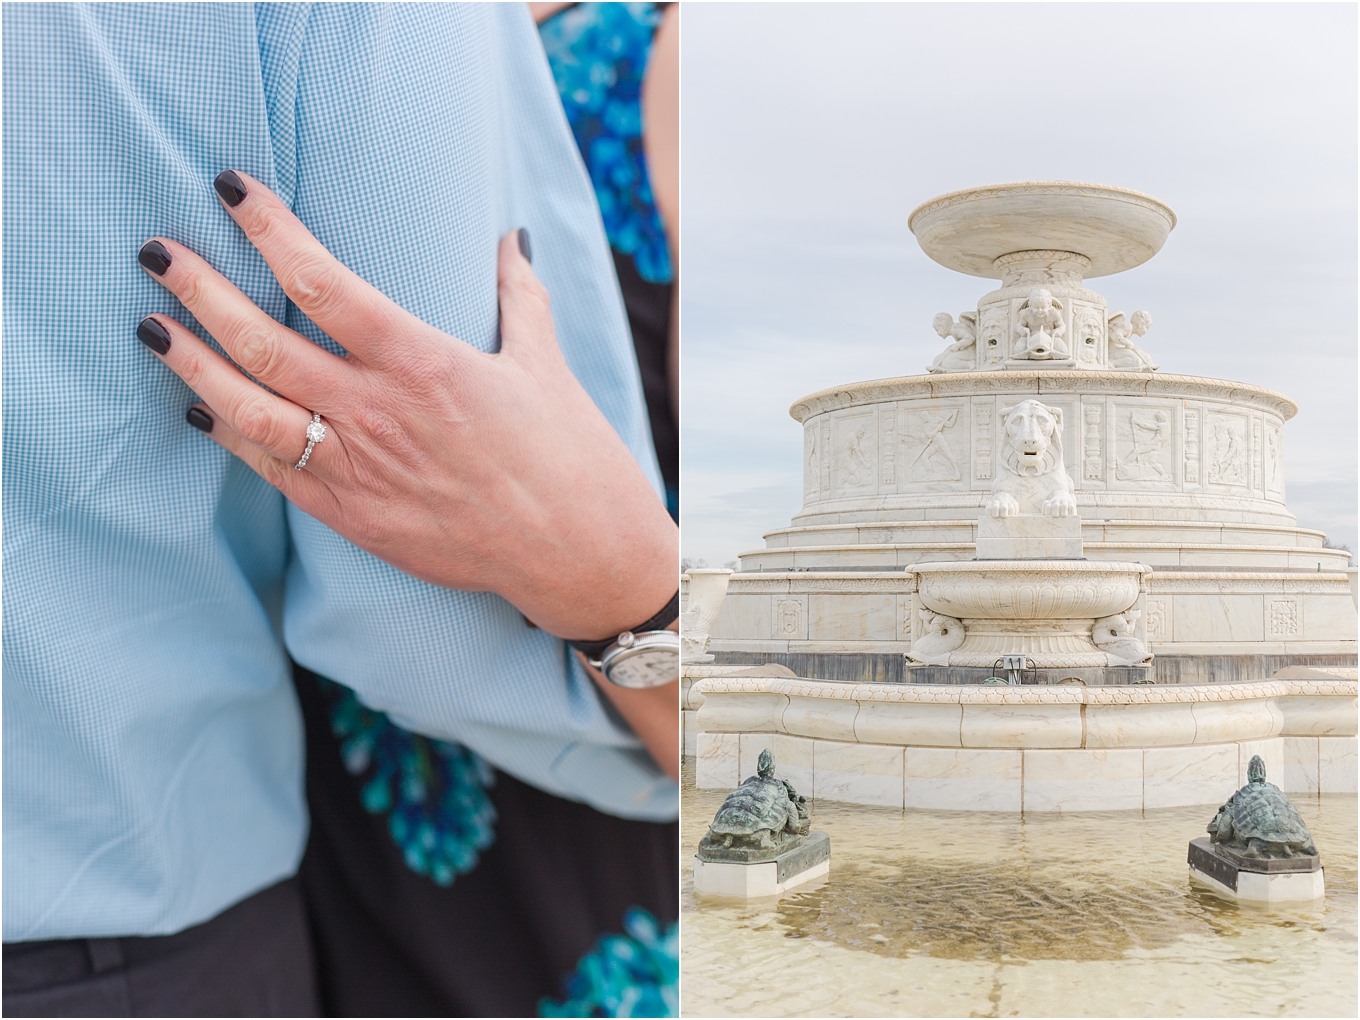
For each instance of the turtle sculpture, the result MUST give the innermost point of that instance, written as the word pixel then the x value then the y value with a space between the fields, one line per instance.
pixel 759 820
pixel 1260 822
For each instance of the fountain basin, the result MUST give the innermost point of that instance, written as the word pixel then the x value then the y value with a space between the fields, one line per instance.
pixel 1112 229
pixel 1027 749
pixel 1029 589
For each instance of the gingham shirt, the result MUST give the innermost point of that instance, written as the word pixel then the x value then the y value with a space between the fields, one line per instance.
pixel 153 586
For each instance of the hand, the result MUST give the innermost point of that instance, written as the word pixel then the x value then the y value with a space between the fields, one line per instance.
pixel 482 472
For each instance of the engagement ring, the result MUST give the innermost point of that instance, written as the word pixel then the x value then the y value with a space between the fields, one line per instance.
pixel 316 432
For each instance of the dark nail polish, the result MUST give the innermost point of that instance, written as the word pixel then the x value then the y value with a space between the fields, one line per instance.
pixel 230 187
pixel 199 420
pixel 154 335
pixel 154 257
pixel 524 245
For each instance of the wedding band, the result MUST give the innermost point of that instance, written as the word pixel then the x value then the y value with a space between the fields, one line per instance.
pixel 316 432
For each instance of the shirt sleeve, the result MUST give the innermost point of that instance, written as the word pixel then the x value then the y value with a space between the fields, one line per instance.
pixel 410 138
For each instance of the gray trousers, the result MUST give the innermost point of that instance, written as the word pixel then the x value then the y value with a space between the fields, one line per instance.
pixel 253 959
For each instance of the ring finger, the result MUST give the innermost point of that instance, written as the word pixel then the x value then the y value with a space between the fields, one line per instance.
pixel 276 425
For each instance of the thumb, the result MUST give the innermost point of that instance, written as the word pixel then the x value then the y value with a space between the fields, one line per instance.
pixel 526 313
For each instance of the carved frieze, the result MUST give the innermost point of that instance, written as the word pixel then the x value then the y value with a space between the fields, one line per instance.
pixel 992 335
pixel 1191 446
pixel 790 619
pixel 1093 467
pixel 983 412
pixel 928 437
pixel 1226 449
pixel 855 450
pixel 1158 620
pixel 1274 456
pixel 1257 448
pixel 1284 618
pixel 1143 443
pixel 1088 333
pixel 812 463
pixel 887 455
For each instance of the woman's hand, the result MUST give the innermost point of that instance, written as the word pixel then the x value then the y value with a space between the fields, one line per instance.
pixel 482 472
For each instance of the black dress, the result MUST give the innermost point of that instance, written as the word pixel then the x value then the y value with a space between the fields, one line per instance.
pixel 501 937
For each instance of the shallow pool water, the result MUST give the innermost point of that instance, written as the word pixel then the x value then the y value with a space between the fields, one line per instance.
pixel 935 913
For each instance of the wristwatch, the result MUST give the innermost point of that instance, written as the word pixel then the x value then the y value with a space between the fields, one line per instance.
pixel 646 656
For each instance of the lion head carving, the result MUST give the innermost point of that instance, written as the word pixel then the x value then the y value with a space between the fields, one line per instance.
pixel 1034 479
pixel 1033 438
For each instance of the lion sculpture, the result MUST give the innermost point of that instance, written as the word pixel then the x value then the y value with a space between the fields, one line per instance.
pixel 1033 478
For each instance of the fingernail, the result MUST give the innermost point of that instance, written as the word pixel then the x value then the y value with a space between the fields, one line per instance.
pixel 524 245
pixel 154 257
pixel 199 419
pixel 230 187
pixel 154 335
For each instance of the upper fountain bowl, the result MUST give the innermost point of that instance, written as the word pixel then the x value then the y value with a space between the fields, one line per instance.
pixel 1115 228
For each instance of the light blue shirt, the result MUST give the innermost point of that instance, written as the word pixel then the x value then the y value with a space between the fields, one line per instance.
pixel 153 586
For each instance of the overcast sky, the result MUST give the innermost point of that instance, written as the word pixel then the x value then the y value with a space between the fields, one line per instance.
pixel 810 131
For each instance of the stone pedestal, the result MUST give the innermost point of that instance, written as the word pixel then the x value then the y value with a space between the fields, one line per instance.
pixel 1028 537
pixel 1249 880
pixel 809 860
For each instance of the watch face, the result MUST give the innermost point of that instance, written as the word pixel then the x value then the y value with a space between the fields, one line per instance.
pixel 643 667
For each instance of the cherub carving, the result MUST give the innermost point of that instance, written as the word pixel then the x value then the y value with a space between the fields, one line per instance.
pixel 943 634
pixel 1039 328
pixel 1114 636
pixel 1126 355
pixel 962 354
pixel 1033 478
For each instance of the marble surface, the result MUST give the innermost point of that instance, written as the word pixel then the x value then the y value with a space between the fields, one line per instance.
pixel 950 779
pixel 750 881
pixel 1083 780
pixel 1300 756
pixel 1337 764
pixel 1023 725
pixel 1268 889
pixel 716 760
pixel 1176 776
pixel 859 773
pixel 1142 725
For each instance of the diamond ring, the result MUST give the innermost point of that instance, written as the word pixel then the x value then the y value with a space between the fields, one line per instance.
pixel 316 432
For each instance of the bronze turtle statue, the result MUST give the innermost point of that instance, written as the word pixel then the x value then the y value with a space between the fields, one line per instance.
pixel 1260 821
pixel 762 817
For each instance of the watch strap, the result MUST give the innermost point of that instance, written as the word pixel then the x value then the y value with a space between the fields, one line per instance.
pixel 593 650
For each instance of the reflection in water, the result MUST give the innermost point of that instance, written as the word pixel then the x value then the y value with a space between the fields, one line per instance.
pixel 959 913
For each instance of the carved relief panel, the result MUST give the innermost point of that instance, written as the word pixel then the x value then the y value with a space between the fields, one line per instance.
pixel 1274 459
pixel 1143 447
pixel 1088 334
pixel 887 455
pixel 856 449
pixel 812 459
pixel 1158 619
pixel 993 334
pixel 1092 446
pixel 1192 438
pixel 788 617
pixel 933 448
pixel 1227 438
pixel 1284 617
pixel 984 414
pixel 1257 474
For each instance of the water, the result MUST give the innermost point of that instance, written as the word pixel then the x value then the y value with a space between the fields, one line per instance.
pixel 934 913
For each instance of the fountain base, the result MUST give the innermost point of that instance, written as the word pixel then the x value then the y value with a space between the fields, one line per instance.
pixel 1291 880
pixel 810 860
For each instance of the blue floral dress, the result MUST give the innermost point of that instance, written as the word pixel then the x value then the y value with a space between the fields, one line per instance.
pixel 599 55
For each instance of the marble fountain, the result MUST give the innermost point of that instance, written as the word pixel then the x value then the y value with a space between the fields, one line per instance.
pixel 1046 505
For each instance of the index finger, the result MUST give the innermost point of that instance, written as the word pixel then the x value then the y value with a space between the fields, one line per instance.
pixel 353 312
